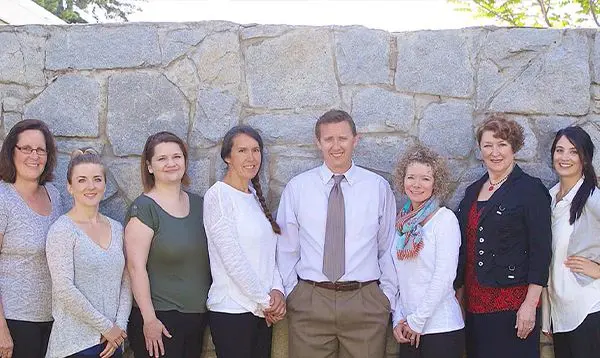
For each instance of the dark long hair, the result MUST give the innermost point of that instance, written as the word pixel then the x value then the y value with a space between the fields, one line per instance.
pixel 226 148
pixel 8 171
pixel 585 149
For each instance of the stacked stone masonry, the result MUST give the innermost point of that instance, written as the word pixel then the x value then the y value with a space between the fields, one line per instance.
pixel 110 86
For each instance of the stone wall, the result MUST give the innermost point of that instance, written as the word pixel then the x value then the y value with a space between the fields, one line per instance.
pixel 110 86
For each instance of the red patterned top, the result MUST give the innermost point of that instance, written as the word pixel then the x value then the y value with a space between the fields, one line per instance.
pixel 482 299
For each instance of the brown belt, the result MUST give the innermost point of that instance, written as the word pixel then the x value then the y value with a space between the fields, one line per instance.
pixel 340 286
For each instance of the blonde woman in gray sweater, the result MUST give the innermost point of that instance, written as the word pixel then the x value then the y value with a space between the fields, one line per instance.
pixel 91 294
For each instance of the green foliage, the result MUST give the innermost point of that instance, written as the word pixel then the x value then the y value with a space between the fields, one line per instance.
pixel 99 9
pixel 535 13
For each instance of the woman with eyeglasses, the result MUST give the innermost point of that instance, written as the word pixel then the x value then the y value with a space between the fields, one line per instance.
pixel 29 204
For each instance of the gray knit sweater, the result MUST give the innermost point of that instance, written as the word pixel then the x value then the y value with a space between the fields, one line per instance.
pixel 90 287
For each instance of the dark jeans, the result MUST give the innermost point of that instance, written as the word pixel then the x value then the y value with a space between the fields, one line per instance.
pixel 95 352
pixel 30 339
pixel 187 331
pixel 240 335
pixel 436 345
pixel 582 342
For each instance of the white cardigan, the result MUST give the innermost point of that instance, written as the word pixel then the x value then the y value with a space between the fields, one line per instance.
pixel 241 247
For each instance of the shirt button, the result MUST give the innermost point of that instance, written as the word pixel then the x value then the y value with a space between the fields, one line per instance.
pixel 480 263
pixel 481 239
pixel 480 252
pixel 481 228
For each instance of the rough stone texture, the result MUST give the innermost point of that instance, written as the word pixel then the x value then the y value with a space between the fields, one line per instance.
pixel 70 105
pixel 298 128
pixel 218 61
pixel 435 62
pixel 379 110
pixel 594 132
pixel 453 122
pixel 293 70
pixel 525 73
pixel 363 56
pixel 139 105
pixel 110 86
pixel 529 150
pixel 183 74
pixel 22 58
pixel 97 47
pixel 199 171
pixel 126 173
pixel 216 112
pixel 381 154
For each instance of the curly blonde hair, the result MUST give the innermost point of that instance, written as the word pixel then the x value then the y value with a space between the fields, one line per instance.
pixel 421 154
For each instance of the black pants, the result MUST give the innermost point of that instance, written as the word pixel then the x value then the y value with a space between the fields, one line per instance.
pixel 187 331
pixel 437 345
pixel 30 339
pixel 240 335
pixel 582 342
pixel 493 335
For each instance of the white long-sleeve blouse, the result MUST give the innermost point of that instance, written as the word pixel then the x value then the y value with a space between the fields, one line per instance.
pixel 241 247
pixel 426 296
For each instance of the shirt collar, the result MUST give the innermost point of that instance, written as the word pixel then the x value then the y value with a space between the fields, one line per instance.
pixel 570 195
pixel 326 174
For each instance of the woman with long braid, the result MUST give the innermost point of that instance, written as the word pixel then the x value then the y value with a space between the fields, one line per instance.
pixel 246 296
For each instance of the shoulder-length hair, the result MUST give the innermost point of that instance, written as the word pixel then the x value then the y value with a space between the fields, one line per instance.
pixel 424 155
pixel 585 150
pixel 161 137
pixel 8 171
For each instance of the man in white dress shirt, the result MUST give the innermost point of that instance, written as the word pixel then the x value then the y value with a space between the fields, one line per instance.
pixel 338 222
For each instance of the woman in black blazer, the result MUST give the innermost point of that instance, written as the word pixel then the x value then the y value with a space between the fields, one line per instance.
pixel 506 249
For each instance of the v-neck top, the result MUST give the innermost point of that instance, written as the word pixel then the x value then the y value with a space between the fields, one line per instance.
pixel 25 287
pixel 90 286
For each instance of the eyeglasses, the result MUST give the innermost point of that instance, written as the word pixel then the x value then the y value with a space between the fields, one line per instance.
pixel 28 150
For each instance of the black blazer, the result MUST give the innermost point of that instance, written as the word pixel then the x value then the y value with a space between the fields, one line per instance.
pixel 514 233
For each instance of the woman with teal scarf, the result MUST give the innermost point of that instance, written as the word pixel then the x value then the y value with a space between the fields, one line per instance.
pixel 428 321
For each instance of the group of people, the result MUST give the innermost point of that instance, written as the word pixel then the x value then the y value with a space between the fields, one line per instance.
pixel 337 260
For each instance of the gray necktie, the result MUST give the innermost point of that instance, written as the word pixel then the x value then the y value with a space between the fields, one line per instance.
pixel 334 253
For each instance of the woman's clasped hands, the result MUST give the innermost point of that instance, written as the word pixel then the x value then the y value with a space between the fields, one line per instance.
pixel 404 334
pixel 277 308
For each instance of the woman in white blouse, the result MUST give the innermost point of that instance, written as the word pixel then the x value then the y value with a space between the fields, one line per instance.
pixel 427 320
pixel 246 296
pixel 571 310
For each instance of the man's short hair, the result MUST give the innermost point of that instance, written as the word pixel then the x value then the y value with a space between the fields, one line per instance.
pixel 334 116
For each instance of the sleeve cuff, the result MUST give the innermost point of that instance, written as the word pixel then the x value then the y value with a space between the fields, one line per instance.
pixel 414 325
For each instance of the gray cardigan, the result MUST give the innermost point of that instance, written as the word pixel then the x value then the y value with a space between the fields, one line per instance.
pixel 585 239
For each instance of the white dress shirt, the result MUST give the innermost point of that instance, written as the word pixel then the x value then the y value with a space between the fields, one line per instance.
pixel 426 296
pixel 241 247
pixel 569 302
pixel 370 210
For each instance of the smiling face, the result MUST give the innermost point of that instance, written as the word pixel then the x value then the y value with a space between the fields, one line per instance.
pixel 566 160
pixel 87 184
pixel 30 166
pixel 167 164
pixel 497 154
pixel 418 183
pixel 337 143
pixel 245 157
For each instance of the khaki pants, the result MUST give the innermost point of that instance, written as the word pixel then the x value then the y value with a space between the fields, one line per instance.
pixel 328 324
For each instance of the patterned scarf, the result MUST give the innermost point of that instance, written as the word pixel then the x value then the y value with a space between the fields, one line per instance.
pixel 409 228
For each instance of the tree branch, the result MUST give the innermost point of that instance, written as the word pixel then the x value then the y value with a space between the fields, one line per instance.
pixel 593 11
pixel 497 14
pixel 544 12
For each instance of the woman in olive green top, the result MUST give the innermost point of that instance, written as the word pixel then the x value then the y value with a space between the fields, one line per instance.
pixel 167 256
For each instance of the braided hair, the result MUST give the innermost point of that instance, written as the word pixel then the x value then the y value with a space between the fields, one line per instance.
pixel 226 153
